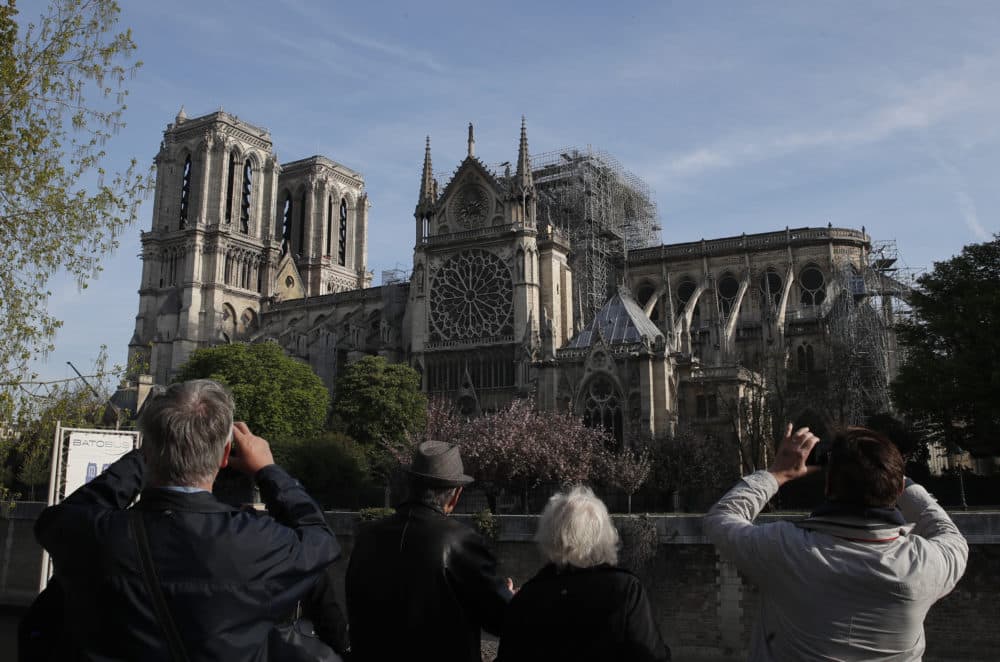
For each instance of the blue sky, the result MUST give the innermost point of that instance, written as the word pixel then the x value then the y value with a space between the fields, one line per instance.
pixel 742 117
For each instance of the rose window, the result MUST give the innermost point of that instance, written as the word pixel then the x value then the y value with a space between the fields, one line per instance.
pixel 471 297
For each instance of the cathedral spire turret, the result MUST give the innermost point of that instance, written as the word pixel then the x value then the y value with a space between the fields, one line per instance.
pixel 524 179
pixel 427 178
pixel 472 142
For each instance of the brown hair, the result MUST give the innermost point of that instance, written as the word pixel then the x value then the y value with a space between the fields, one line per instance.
pixel 865 469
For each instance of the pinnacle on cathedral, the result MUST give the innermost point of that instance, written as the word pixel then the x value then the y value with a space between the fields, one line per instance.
pixel 427 178
pixel 524 178
pixel 472 142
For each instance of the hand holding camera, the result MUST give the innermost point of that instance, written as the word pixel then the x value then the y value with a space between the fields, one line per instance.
pixel 249 453
pixel 790 462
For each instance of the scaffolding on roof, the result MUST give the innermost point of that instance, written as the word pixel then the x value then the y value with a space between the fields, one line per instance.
pixel 604 209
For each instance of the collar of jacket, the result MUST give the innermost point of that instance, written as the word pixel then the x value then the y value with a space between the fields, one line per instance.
pixel 553 570
pixel 857 522
pixel 411 505
pixel 154 498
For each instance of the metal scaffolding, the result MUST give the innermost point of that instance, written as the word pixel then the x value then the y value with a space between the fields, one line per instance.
pixel 864 352
pixel 604 209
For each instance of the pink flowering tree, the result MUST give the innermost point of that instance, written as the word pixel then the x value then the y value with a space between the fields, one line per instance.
pixel 520 446
pixel 627 470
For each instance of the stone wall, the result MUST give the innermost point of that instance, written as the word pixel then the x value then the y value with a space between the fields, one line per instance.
pixel 705 608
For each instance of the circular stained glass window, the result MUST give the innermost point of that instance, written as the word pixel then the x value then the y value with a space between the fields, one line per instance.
pixel 471 297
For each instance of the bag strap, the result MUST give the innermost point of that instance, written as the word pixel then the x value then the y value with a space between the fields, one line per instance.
pixel 138 527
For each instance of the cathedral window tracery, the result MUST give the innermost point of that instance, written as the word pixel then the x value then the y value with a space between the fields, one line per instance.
pixel 603 407
pixel 230 185
pixel 728 288
pixel 472 297
pixel 286 222
pixel 813 286
pixel 185 192
pixel 245 197
pixel 770 288
pixel 342 243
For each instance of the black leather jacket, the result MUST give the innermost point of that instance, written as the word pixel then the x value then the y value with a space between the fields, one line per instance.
pixel 420 586
pixel 227 575
pixel 581 614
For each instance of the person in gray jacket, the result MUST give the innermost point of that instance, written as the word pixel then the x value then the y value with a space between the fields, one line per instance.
pixel 855 579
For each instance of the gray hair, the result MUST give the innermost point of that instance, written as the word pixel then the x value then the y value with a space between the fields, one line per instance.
pixel 575 529
pixel 185 430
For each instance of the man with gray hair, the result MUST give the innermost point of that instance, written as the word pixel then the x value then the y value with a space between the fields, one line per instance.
pixel 421 586
pixel 183 576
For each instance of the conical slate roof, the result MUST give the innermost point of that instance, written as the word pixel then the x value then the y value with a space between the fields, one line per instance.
pixel 621 321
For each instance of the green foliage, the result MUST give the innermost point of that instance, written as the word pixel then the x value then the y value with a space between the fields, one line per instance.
pixel 63 81
pixel 485 522
pixel 25 453
pixel 950 376
pixel 332 467
pixel 279 398
pixel 378 401
pixel 372 514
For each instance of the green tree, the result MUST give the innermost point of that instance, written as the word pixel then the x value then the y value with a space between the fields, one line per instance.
pixel 26 453
pixel 332 467
pixel 950 376
pixel 378 402
pixel 62 96
pixel 281 399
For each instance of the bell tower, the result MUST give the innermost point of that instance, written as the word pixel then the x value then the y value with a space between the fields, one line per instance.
pixel 211 250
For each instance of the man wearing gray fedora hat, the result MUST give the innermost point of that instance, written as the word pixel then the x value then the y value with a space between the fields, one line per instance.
pixel 419 584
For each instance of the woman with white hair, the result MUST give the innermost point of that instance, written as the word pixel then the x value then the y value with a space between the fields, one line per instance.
pixel 580 606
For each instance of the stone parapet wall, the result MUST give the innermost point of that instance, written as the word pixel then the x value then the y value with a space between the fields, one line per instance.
pixel 705 608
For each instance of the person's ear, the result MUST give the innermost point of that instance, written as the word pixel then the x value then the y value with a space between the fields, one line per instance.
pixel 224 462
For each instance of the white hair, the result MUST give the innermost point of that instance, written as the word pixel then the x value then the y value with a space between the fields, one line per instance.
pixel 575 529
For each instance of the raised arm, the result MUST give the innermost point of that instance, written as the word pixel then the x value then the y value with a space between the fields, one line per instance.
pixel 729 523
pixel 932 523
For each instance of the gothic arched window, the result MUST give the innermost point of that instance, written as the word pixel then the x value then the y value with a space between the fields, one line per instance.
pixel 603 408
pixel 230 185
pixel 770 288
pixel 300 247
pixel 342 243
pixel 245 195
pixel 728 288
pixel 286 222
pixel 185 191
pixel 813 286
pixel 329 225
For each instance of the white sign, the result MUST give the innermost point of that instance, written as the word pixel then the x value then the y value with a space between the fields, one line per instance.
pixel 90 452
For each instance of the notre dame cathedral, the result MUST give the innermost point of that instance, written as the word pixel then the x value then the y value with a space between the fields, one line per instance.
pixel 543 279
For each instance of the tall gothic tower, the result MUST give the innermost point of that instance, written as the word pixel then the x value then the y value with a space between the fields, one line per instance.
pixel 210 255
pixel 490 291
pixel 323 219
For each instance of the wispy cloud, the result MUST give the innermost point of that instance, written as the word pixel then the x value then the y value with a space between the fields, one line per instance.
pixel 963 197
pixel 920 105
pixel 334 34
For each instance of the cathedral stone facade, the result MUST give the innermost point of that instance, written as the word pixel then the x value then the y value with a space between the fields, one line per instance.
pixel 243 248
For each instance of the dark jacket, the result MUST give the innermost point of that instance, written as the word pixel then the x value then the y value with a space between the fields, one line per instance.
pixel 322 608
pixel 227 575
pixel 419 587
pixel 581 614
